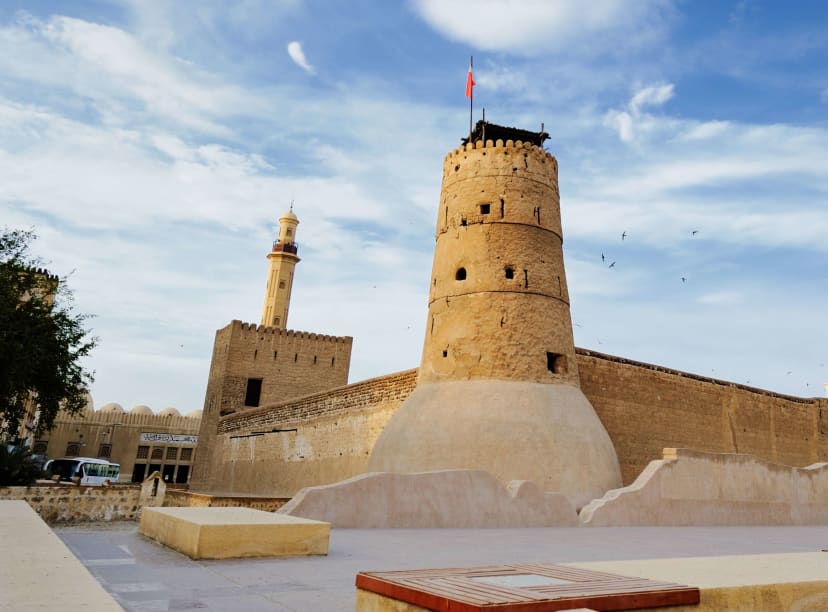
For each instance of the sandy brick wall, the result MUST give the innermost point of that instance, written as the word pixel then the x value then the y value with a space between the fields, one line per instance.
pixel 647 408
pixel 333 437
pixel 187 499
pixel 72 504
pixel 290 363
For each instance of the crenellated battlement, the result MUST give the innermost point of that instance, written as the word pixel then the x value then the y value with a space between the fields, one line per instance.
pixel 45 273
pixel 498 162
pixel 495 144
pixel 248 328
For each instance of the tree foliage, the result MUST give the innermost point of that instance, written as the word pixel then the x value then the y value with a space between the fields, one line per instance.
pixel 17 466
pixel 42 339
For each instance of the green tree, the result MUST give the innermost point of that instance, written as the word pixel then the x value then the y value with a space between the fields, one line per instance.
pixel 17 466
pixel 42 339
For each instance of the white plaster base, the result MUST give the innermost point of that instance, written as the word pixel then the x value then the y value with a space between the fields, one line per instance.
pixel 546 433
pixel 445 499
pixel 690 487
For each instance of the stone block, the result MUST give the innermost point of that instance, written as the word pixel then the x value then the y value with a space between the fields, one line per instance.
pixel 227 533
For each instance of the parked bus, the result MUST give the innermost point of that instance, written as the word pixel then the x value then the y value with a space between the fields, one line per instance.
pixel 89 471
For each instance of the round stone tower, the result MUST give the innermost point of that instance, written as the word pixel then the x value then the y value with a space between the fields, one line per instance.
pixel 498 385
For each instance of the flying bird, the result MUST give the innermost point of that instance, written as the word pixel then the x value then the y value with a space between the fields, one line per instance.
pixel 602 258
pixel 684 280
pixel 623 235
pixel 612 265
pixel 694 232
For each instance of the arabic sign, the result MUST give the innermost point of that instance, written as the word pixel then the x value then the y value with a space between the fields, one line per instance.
pixel 168 438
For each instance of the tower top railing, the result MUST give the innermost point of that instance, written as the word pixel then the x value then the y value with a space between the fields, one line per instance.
pixel 285 247
pixel 484 131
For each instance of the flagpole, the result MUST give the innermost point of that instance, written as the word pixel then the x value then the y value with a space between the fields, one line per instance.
pixel 471 98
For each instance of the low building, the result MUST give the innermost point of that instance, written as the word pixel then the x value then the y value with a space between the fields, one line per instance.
pixel 140 440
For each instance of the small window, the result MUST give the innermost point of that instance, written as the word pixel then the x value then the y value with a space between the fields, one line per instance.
pixel 460 274
pixel 105 450
pixel 157 454
pixel 73 449
pixel 485 209
pixel 445 353
pixel 172 453
pixel 276 321
pixel 275 354
pixel 281 284
pixel 556 363
pixel 333 361
pixel 186 454
pixel 143 452
pixel 253 392
pixel 509 272
pixel 314 360
pixel 463 221
pixel 289 232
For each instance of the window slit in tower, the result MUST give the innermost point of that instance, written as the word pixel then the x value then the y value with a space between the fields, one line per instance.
pixel 509 272
pixel 314 360
pixel 275 354
pixel 333 360
pixel 502 207
pixel 526 279
pixel 556 363
pixel 295 357
pixel 255 353
pixel 463 221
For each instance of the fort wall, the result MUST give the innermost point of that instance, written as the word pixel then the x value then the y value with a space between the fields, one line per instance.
pixel 276 450
pixel 287 364
pixel 645 408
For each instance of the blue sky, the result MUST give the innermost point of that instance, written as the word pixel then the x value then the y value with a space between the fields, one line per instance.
pixel 152 146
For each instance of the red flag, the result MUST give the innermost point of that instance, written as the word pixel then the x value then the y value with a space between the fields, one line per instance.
pixel 469 82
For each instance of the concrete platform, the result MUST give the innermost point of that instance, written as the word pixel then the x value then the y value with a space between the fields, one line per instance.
pixel 144 576
pixel 228 533
pixel 37 570
pixel 794 581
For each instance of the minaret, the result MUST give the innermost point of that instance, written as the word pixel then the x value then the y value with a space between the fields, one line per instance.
pixel 498 386
pixel 283 259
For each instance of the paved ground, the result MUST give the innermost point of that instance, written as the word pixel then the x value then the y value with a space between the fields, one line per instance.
pixel 143 575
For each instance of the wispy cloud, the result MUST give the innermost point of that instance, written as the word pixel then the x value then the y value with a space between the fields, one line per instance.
pixel 122 78
pixel 536 26
pixel 296 53
pixel 626 122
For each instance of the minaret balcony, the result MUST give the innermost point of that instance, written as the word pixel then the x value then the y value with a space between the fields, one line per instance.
pixel 285 247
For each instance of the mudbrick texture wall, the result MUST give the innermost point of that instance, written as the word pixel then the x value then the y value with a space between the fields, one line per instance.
pixel 276 450
pixel 647 408
pixel 287 364
pixel 71 504
pixel 327 437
